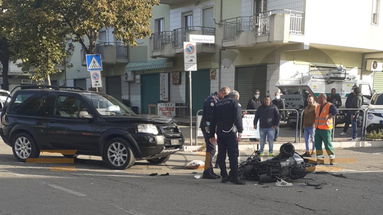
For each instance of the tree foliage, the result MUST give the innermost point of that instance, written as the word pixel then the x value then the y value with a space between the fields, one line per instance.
pixel 40 29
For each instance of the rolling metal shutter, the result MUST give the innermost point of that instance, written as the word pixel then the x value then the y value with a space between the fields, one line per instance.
pixel 249 79
pixel 378 82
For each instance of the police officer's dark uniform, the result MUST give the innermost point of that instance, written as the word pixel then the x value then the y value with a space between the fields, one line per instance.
pixel 227 122
pixel 207 117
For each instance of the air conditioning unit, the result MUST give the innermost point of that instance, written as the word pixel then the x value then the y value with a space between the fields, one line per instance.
pixel 374 66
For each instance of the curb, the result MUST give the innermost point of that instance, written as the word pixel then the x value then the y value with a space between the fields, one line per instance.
pixel 300 146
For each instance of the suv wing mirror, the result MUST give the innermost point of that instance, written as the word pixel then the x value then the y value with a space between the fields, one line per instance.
pixel 85 115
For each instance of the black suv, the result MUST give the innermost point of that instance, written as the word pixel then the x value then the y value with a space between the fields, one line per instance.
pixel 51 118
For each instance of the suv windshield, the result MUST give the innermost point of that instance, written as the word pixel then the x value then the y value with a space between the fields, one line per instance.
pixel 108 106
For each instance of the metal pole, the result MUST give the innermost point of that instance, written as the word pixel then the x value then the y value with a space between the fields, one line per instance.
pixel 191 107
pixel 301 123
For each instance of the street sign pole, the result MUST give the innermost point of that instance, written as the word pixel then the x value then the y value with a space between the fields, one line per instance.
pixel 190 64
pixel 191 108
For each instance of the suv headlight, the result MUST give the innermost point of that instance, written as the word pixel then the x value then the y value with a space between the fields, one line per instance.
pixel 147 128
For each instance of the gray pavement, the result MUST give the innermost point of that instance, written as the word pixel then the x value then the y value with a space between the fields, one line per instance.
pixel 353 186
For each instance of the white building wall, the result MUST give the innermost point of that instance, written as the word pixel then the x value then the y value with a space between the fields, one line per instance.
pixel 246 7
pixel 272 79
pixel 178 92
pixel 176 14
pixel 346 23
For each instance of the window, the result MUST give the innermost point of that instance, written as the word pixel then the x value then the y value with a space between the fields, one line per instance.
pixel 260 6
pixel 69 107
pixel 375 11
pixel 187 21
pixel 159 25
pixel 208 20
pixel 29 104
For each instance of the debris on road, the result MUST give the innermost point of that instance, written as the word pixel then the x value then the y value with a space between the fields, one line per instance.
pixel 195 164
pixel 283 183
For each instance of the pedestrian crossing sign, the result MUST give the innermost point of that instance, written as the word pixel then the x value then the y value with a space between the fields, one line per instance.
pixel 93 62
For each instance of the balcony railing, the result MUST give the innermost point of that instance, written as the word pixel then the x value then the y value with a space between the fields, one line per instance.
pixel 161 39
pixel 260 24
pixel 115 51
pixel 176 37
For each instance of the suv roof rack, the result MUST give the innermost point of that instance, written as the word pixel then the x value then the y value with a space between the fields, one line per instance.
pixel 34 86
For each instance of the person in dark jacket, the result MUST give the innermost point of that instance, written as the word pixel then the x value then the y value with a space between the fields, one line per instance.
pixel 268 116
pixel 354 100
pixel 280 104
pixel 334 98
pixel 227 123
pixel 207 117
pixel 255 102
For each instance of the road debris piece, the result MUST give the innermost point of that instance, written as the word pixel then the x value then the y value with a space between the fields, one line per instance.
pixel 282 183
pixel 195 164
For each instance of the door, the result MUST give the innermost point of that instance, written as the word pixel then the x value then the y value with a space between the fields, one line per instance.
pixel 113 87
pixel 150 91
pixel 30 110
pixel 66 128
pixel 250 79
pixel 200 88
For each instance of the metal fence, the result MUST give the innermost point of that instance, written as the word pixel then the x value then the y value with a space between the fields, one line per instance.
pixel 199 112
pixel 260 24
pixel 299 120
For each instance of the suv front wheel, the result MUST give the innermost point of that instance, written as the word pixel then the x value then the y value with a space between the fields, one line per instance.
pixel 24 147
pixel 118 154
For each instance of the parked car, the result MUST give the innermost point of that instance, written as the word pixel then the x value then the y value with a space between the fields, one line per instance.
pixel 4 94
pixel 374 120
pixel 47 118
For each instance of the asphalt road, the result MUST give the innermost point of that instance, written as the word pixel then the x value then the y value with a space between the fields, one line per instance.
pixel 87 187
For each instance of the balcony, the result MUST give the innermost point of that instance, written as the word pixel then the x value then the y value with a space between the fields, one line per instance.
pixel 113 52
pixel 277 26
pixel 170 43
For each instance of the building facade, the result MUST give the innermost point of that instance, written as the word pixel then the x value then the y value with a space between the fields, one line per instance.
pixel 259 44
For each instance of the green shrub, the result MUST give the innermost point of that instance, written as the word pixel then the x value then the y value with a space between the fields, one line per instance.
pixel 375 135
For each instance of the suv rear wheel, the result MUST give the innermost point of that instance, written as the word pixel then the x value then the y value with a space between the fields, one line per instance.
pixel 24 147
pixel 118 154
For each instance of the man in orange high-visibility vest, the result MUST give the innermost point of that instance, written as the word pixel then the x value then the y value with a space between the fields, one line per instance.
pixel 324 123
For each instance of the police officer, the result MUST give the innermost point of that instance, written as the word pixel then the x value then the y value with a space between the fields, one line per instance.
pixel 227 123
pixel 208 109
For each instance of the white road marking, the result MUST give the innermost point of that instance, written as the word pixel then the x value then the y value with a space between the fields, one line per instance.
pixel 67 190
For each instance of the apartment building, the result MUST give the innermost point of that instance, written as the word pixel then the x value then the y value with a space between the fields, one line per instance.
pixel 259 44
pixel 114 56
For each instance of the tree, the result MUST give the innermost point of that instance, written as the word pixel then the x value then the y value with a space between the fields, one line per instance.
pixel 41 28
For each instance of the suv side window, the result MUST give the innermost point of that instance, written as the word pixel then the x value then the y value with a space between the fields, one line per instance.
pixel 29 104
pixel 69 106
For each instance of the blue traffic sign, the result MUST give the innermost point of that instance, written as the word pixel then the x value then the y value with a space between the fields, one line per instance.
pixel 93 62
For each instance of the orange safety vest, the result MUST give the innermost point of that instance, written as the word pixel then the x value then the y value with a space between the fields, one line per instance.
pixel 321 121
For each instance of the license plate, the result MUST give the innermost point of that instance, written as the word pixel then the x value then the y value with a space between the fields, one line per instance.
pixel 174 141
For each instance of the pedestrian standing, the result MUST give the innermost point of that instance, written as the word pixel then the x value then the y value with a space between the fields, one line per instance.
pixel 227 123
pixel 355 101
pixel 334 98
pixel 268 116
pixel 207 117
pixel 324 122
pixel 309 125
pixel 255 102
pixel 280 104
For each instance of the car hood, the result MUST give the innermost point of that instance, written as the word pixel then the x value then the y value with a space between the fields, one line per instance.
pixel 140 119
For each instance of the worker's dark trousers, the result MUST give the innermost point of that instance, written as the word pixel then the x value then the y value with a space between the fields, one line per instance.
pixel 210 152
pixel 227 143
